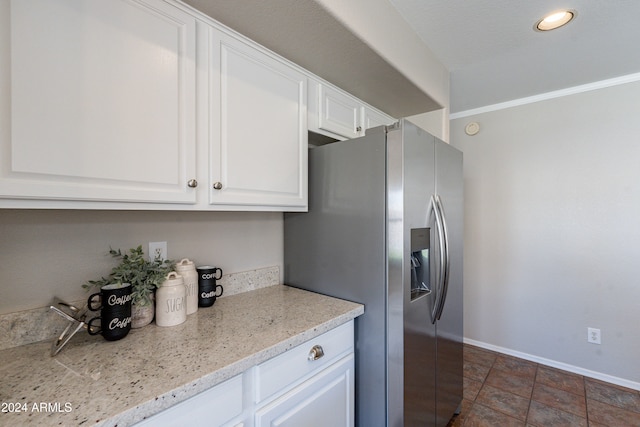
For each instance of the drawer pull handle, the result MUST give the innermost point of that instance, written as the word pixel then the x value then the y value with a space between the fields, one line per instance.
pixel 316 353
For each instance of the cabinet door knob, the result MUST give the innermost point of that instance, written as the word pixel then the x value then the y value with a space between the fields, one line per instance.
pixel 192 183
pixel 316 353
pixel 217 186
pixel 359 129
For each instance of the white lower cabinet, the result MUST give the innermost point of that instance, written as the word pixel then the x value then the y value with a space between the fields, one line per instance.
pixel 310 385
pixel 218 406
pixel 325 399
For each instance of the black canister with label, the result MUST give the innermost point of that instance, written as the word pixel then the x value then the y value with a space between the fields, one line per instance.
pixel 208 290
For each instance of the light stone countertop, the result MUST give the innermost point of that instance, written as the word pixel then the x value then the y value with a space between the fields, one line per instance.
pixel 95 382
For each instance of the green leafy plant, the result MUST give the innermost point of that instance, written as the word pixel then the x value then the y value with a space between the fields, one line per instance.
pixel 145 276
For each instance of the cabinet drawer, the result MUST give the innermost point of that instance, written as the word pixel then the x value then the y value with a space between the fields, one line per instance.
pixel 276 374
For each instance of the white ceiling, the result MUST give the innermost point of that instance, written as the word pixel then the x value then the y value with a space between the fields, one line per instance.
pixel 494 55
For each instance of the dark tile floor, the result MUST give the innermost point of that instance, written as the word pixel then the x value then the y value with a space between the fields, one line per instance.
pixel 501 390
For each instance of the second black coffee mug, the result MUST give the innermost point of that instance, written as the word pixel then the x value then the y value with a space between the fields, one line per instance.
pixel 114 303
pixel 207 287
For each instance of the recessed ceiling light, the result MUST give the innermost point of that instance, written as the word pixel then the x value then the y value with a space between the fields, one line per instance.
pixel 555 20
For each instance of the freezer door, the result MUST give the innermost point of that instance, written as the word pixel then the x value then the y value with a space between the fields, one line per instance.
pixel 449 190
pixel 419 254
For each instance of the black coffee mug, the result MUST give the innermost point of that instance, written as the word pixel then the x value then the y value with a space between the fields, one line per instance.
pixel 207 288
pixel 114 303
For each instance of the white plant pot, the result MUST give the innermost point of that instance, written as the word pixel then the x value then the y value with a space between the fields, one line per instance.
pixel 142 315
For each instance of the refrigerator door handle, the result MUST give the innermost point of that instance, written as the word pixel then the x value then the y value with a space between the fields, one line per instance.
pixel 445 272
pixel 439 282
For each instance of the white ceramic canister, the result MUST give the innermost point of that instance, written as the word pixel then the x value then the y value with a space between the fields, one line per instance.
pixel 171 299
pixel 187 270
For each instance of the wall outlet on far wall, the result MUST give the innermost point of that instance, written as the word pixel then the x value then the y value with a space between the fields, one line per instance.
pixel 157 250
pixel 593 335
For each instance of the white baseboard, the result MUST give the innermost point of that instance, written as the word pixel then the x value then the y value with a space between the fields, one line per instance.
pixel 558 365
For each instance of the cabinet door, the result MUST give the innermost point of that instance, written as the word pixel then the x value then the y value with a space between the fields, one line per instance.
pixel 215 407
pixel 373 118
pixel 338 112
pixel 326 399
pixel 258 153
pixel 101 102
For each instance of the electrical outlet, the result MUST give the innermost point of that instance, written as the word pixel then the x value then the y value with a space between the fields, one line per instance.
pixel 157 250
pixel 593 335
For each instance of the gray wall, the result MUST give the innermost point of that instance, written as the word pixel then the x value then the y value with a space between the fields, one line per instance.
pixel 552 206
pixel 52 253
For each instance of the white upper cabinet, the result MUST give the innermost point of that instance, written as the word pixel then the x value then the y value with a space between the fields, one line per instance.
pixel 337 114
pixel 148 104
pixel 258 145
pixel 98 101
pixel 373 118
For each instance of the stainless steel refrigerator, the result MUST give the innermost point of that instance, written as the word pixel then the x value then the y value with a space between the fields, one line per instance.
pixel 384 228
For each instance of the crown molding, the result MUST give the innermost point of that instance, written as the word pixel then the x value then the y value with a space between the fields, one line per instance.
pixel 630 78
